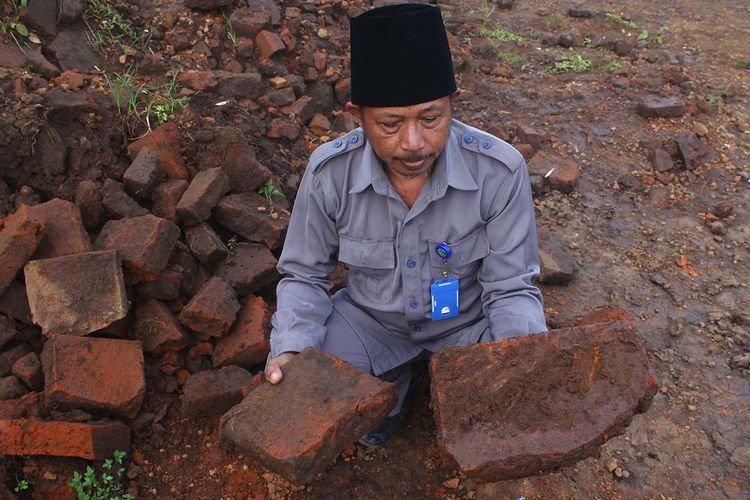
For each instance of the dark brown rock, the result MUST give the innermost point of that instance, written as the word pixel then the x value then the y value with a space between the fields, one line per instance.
pixel 92 441
pixel 557 265
pixel 296 428
pixel 19 239
pixel 144 174
pixel 660 160
pixel 41 15
pixel 94 374
pixel 205 244
pixel 11 388
pixel 88 199
pixel 247 343
pixel 528 405
pixel 281 128
pixel 248 215
pixel 248 268
pixel 579 12
pixel 7 330
pixel 213 392
pixel 198 80
pixel 15 303
pixel 246 85
pixel 71 10
pixel 207 4
pixel 72 50
pixel 64 233
pixel 76 294
pixel 28 369
pixel 9 357
pixel 662 107
pixel 558 173
pixel 143 243
pixel 200 198
pixel 157 328
pixel 248 22
pixel 165 198
pixel 212 310
pixel 304 108
pixel 165 140
pixel 166 287
pixel 117 203
pixel 269 43
pixel 690 149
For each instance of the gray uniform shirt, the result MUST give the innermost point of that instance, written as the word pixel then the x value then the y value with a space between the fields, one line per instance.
pixel 477 199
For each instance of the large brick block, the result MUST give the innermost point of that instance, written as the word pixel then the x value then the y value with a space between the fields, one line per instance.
pixel 239 212
pixel 19 239
pixel 213 392
pixel 143 243
pixel 212 310
pixel 157 328
pixel 248 268
pixel 296 428
pixel 92 441
pixel 202 195
pixel 100 375
pixel 76 294
pixel 247 343
pixel 64 233
pixel 528 405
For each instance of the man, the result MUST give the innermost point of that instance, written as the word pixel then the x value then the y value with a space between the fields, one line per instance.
pixel 434 219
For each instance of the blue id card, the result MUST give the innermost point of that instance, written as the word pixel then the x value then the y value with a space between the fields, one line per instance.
pixel 444 294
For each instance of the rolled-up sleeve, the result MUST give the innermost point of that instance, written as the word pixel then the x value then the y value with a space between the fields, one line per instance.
pixel 306 262
pixel 511 302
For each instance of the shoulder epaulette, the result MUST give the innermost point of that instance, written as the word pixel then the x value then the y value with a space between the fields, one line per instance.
pixel 336 147
pixel 486 144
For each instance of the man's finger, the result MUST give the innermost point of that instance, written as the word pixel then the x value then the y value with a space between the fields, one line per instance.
pixel 274 376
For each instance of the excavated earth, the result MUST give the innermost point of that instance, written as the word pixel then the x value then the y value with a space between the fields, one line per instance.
pixel 646 212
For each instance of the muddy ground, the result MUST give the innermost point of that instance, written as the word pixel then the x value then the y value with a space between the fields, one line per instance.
pixel 670 247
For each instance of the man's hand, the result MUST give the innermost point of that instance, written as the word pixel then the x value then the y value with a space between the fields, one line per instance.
pixel 273 367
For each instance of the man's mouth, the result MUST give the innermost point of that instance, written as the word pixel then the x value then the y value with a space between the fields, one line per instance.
pixel 414 161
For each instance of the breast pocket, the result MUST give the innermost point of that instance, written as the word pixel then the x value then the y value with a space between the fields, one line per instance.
pixel 371 268
pixel 466 255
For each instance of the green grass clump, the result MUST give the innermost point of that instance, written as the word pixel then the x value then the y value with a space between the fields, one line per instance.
pixel 500 33
pixel 572 62
pixel 555 21
pixel 619 19
pixel 108 486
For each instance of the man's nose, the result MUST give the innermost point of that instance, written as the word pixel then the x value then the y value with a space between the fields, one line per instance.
pixel 412 138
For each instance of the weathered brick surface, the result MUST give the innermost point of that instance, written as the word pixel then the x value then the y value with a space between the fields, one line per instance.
pixel 165 140
pixel 165 287
pixel 92 441
pixel 10 356
pixel 116 202
pixel 269 43
pixel 88 199
pixel 246 344
pixel 205 244
pixel 28 369
pixel 19 239
pixel 11 388
pixel 296 428
pixel 94 374
pixel 604 315
pixel 557 265
pixel 64 233
pixel 144 174
pixel 248 268
pixel 143 243
pixel 158 329
pixel 166 196
pixel 213 392
pixel 204 192
pixel 212 310
pixel 564 171
pixel 28 405
pixel 527 405
pixel 15 303
pixel 239 212
pixel 76 294
pixel 662 107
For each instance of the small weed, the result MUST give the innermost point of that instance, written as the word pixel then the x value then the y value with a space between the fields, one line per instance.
pixel 107 487
pixel 231 33
pixel 162 102
pixel 467 40
pixel 510 58
pixel 619 19
pixel 741 63
pixel 268 190
pixel 500 33
pixel 608 63
pixel 113 29
pixel 22 486
pixel 587 42
pixel 658 38
pixel 18 5
pixel 572 62
pixel 555 21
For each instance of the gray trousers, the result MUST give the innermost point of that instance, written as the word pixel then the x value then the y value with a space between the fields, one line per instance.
pixel 343 339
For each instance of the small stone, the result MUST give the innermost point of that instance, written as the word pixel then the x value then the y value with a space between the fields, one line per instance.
pixel 280 128
pixel 717 227
pixel 700 129
pixel 557 265
pixel 11 388
pixel 557 172
pixel 452 484
pixel 660 160
pixel 269 43
pixel 612 465
pixel 618 472
pixel 579 12
pixel 741 456
pixel 662 107
pixel 28 369
pixel 322 33
pixel 198 80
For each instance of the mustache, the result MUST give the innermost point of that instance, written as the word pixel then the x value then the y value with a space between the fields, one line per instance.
pixel 416 157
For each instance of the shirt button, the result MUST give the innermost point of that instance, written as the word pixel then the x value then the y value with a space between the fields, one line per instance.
pixel 413 303
pixel 468 139
pixel 417 328
pixel 337 143
pixel 354 139
pixel 487 144
pixel 411 263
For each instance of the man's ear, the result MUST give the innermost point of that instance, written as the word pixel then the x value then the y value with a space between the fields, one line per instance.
pixel 355 110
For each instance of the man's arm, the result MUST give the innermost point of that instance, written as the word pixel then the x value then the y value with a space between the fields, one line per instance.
pixel 307 260
pixel 511 303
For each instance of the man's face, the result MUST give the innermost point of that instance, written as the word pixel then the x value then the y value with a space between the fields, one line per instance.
pixel 407 139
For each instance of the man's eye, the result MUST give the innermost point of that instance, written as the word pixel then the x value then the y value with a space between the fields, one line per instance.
pixel 390 124
pixel 429 119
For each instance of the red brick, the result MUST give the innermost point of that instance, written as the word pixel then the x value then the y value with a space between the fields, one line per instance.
pixel 76 294
pixel 15 303
pixel 282 128
pixel 213 392
pixel 64 233
pixel 166 196
pixel 94 374
pixel 205 244
pixel 248 268
pixel 246 344
pixel 198 80
pixel 269 43
pixel 528 405
pixel 166 287
pixel 143 243
pixel 204 192
pixel 165 140
pixel 28 405
pixel 88 199
pixel 565 175
pixel 290 41
pixel 28 369
pixel 526 134
pixel 319 125
pixel 19 239
pixel 116 202
pixel 604 315
pixel 296 428
pixel 212 310
pixel 144 174
pixel 95 441
pixel 157 328
pixel 662 107
pixel 239 212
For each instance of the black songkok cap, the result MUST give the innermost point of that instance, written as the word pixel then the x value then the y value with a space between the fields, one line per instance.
pixel 400 56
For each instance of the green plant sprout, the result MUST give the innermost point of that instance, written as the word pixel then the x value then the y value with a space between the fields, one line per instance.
pixel 573 62
pixel 22 486
pixel 269 190
pixel 231 33
pixel 619 19
pixel 106 487
pixel 500 33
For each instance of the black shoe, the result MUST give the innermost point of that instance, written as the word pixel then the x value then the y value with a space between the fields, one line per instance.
pixel 381 434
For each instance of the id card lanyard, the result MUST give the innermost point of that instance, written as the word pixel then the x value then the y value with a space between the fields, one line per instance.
pixel 444 292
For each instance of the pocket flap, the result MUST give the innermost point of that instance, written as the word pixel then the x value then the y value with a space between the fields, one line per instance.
pixel 367 253
pixel 472 247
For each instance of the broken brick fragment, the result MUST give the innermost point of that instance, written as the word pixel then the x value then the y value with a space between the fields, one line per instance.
pixel 297 427
pixel 116 202
pixel 19 239
pixel 165 198
pixel 144 174
pixel 200 198
pixel 76 294
pixel 248 268
pixel 269 43
pixel 247 343
pixel 213 392
pixel 165 141
pixel 249 215
pixel 205 244
pixel 158 329
pixel 88 199
pixel 212 310
pixel 64 233
pixel 28 369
